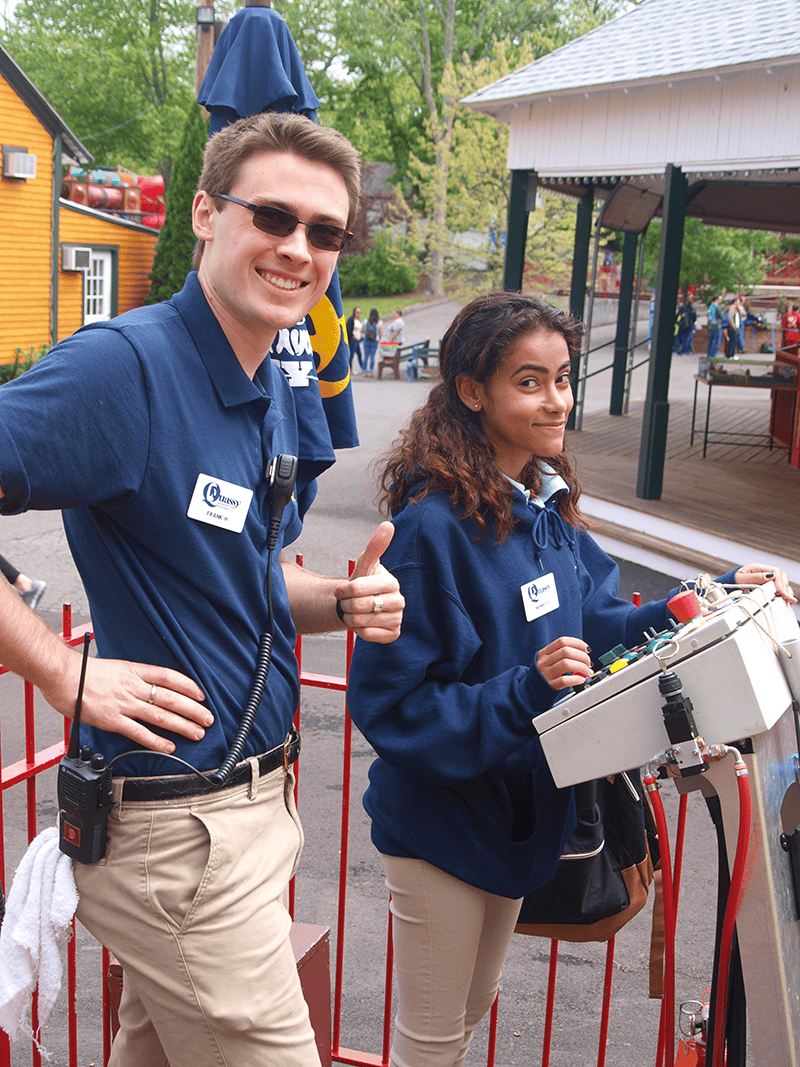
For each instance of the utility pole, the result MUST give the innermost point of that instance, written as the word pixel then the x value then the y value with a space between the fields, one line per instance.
pixel 206 38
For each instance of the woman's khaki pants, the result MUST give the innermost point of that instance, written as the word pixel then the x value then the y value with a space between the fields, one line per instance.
pixel 450 941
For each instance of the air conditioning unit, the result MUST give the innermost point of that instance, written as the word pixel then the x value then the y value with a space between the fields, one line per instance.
pixel 75 257
pixel 19 165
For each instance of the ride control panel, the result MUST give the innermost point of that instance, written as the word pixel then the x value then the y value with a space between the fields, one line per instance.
pixel 738 662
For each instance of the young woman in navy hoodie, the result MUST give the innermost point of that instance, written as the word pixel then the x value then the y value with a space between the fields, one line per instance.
pixel 505 593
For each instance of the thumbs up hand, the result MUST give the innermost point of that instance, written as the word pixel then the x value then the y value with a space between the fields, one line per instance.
pixel 371 601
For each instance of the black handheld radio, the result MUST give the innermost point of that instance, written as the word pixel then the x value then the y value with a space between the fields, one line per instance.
pixel 84 791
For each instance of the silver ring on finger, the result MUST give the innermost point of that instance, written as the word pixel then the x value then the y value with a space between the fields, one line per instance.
pixel 152 698
pixel 377 604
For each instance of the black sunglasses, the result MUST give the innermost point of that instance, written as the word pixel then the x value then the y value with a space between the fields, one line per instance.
pixel 278 223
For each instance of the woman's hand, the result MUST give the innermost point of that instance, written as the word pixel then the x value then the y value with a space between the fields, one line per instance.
pixel 565 662
pixel 760 574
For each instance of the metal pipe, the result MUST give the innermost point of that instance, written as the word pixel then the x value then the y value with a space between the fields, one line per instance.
pixel 632 344
pixel 587 336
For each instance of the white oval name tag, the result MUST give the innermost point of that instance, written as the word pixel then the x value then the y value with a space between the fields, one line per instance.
pixel 539 596
pixel 220 503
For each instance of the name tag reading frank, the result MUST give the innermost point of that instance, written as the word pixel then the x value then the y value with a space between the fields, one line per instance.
pixel 539 596
pixel 220 503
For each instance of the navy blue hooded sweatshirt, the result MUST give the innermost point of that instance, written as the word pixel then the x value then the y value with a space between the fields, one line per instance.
pixel 461 780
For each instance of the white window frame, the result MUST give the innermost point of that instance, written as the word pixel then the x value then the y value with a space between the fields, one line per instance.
pixel 97 285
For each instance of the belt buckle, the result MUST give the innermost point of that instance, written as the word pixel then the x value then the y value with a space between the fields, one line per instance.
pixel 291 738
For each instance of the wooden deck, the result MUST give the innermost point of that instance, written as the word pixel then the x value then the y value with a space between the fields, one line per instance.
pixel 746 494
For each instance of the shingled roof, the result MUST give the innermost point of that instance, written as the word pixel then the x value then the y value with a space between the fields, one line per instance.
pixel 659 40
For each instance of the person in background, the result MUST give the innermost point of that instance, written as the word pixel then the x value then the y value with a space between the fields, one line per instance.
pixel 686 320
pixel 757 322
pixel 397 328
pixel 30 589
pixel 790 324
pixel 505 592
pixel 714 326
pixel 744 315
pixel 355 330
pixel 734 322
pixel 373 335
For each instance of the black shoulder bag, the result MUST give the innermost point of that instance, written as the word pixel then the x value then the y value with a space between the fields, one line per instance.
pixel 605 871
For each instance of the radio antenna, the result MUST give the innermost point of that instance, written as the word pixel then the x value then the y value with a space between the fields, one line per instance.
pixel 73 750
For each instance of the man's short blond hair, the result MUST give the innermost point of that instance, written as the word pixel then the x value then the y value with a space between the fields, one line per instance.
pixel 229 149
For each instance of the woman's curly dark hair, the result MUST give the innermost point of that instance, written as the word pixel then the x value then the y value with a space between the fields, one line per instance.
pixel 444 448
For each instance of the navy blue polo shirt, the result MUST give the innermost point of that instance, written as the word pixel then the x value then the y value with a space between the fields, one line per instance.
pixel 122 426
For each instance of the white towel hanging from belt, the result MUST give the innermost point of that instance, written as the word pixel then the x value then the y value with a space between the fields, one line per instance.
pixel 39 910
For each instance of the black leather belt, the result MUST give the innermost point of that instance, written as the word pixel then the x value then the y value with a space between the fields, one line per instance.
pixel 191 785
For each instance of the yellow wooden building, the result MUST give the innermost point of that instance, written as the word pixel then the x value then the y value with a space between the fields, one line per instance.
pixel 61 264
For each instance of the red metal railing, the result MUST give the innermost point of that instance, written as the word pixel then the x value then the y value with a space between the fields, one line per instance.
pixel 25 772
pixel 783 267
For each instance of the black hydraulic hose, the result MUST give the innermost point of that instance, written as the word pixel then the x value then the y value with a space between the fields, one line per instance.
pixel 736 1017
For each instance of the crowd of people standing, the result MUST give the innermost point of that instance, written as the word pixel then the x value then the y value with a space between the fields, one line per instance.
pixel 365 337
pixel 727 319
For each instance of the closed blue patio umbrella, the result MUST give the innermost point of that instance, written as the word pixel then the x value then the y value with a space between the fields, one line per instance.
pixel 256 67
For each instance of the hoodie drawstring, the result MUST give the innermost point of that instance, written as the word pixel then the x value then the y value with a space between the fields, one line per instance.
pixel 548 526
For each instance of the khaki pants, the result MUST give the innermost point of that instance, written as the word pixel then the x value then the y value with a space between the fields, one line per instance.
pixel 450 941
pixel 191 899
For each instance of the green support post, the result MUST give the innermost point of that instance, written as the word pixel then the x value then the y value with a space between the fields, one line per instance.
pixel 580 253
pixel 653 447
pixel 580 269
pixel 523 186
pixel 623 324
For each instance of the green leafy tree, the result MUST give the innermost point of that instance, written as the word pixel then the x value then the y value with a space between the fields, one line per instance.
pixel 550 243
pixel 402 55
pixel 580 16
pixel 121 74
pixel 390 267
pixel 407 59
pixel 478 174
pixel 478 190
pixel 714 259
pixel 314 27
pixel 173 258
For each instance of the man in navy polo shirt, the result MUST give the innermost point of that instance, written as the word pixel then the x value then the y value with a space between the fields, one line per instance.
pixel 153 433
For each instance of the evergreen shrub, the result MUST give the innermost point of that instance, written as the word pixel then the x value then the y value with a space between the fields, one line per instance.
pixel 173 258
pixel 23 360
pixel 387 269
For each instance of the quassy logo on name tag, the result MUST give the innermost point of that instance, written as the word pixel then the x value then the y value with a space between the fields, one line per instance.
pixel 539 596
pixel 220 503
